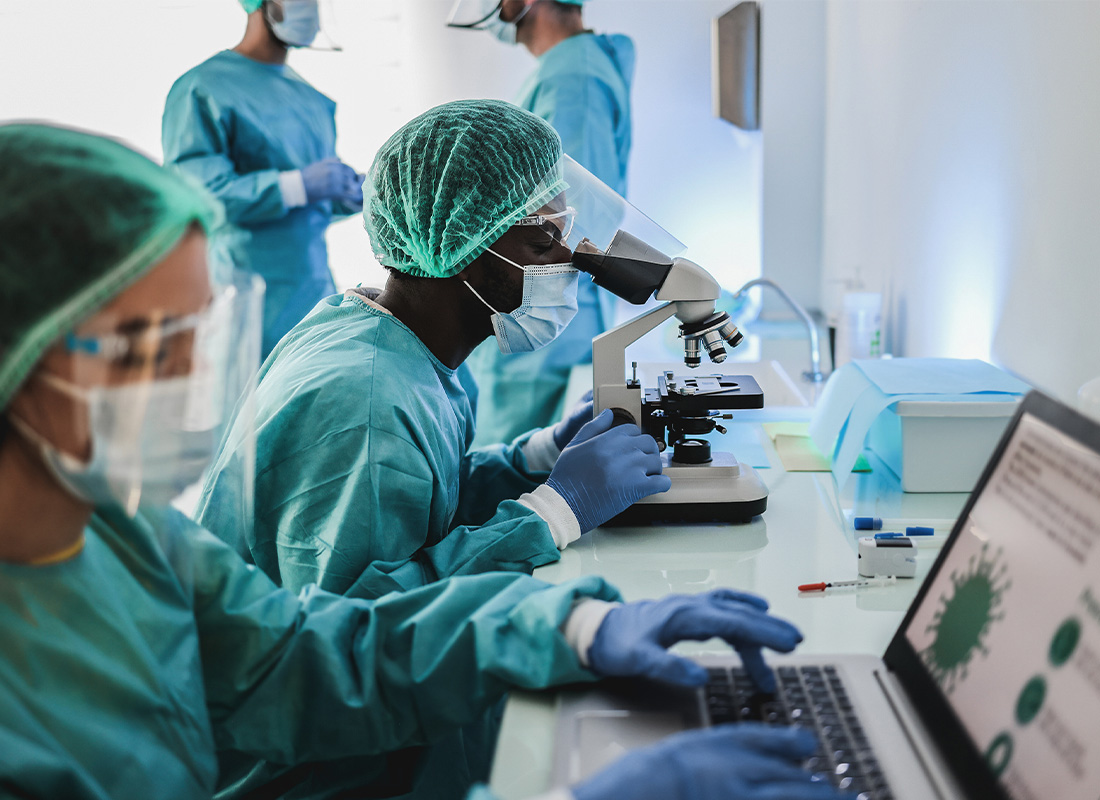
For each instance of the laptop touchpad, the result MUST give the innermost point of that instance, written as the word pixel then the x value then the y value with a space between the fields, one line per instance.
pixel 596 727
pixel 603 736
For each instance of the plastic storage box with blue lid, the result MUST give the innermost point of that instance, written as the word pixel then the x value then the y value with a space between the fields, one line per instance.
pixel 940 445
pixel 933 421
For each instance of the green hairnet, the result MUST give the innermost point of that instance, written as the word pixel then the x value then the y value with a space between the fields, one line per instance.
pixel 81 217
pixel 449 183
pixel 251 5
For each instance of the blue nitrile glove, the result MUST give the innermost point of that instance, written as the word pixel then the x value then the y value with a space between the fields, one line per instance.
pixel 330 179
pixel 565 430
pixel 354 195
pixel 633 638
pixel 747 761
pixel 606 470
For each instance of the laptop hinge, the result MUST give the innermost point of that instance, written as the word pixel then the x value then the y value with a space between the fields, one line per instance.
pixel 931 762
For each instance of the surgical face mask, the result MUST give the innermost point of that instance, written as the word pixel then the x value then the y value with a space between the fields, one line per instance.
pixel 549 304
pixel 153 460
pixel 504 31
pixel 300 24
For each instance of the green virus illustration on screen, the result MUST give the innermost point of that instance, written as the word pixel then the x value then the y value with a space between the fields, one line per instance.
pixel 964 618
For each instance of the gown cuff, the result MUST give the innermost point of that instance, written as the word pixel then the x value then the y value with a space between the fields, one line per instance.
pixel 540 451
pixel 579 628
pixel 555 512
pixel 556 794
pixel 293 188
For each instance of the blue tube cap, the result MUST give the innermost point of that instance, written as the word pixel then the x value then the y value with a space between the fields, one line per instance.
pixel 918 530
pixel 868 523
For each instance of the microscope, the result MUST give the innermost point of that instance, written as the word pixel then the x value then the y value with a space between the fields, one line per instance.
pixel 706 485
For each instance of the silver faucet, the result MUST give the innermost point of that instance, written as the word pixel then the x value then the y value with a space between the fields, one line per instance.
pixel 814 373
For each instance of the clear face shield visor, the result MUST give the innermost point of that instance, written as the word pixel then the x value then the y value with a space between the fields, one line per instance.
pixel 303 23
pixel 622 249
pixel 484 15
pixel 474 14
pixel 154 397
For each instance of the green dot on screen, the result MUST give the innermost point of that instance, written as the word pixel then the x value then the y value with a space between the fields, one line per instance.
pixel 1031 700
pixel 1065 641
pixel 999 754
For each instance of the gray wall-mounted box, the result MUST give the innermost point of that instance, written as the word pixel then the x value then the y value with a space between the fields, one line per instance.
pixel 735 57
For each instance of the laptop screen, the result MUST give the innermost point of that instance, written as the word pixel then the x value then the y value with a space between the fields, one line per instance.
pixel 1008 626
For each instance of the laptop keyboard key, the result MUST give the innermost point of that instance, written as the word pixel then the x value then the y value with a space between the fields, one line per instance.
pixel 813 698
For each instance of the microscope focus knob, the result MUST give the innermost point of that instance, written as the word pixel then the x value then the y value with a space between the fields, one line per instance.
pixel 622 417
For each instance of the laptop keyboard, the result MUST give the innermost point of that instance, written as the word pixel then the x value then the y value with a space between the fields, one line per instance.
pixel 812 697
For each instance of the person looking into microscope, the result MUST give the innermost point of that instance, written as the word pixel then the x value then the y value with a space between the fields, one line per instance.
pixel 581 85
pixel 365 480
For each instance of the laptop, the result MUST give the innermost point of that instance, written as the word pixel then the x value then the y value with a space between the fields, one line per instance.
pixel 991 685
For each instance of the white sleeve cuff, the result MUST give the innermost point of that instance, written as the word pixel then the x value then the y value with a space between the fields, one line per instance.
pixel 293 188
pixel 557 794
pixel 579 628
pixel 540 451
pixel 555 512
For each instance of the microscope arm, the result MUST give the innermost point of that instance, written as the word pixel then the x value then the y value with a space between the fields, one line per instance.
pixel 609 387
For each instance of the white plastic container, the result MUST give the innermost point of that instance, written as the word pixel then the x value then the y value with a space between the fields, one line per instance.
pixel 939 446
pixel 878 557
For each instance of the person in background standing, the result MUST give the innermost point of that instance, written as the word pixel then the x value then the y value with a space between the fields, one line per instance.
pixel 263 141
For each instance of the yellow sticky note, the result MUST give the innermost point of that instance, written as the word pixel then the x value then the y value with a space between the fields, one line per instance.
pixel 800 454
pixel 774 429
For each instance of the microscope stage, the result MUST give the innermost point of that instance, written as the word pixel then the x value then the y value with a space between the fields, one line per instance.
pixel 678 392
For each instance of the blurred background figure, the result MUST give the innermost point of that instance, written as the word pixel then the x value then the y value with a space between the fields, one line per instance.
pixel 263 141
pixel 581 86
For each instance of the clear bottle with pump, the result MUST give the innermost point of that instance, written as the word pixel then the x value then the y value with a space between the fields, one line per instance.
pixel 859 334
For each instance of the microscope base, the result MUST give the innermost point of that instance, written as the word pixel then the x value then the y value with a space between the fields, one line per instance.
pixel 723 490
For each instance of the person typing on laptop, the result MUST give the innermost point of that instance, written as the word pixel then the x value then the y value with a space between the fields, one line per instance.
pixel 743 761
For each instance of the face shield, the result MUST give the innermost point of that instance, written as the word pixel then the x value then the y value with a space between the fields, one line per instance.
pixel 302 23
pixel 623 250
pixel 484 15
pixel 153 397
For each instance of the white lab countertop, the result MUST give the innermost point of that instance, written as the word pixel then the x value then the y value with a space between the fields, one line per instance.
pixel 805 536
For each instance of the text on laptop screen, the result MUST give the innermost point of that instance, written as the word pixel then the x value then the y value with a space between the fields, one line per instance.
pixel 1010 626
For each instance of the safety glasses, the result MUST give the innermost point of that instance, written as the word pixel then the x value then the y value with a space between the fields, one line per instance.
pixel 156 346
pixel 558 225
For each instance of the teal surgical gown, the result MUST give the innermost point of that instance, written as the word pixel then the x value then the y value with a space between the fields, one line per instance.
pixel 582 87
pixel 365 483
pixel 234 124
pixel 129 669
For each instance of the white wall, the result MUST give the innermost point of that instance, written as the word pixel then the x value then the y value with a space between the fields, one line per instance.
pixel 107 65
pixel 961 175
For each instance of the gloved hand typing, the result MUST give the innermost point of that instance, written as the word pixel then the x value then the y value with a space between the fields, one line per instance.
pixel 746 761
pixel 605 470
pixel 633 638
pixel 332 179
pixel 581 414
